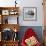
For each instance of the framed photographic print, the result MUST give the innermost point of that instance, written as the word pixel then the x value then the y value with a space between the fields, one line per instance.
pixel 5 12
pixel 30 13
pixel 12 20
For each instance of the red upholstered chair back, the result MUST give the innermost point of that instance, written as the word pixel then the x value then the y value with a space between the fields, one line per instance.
pixel 29 33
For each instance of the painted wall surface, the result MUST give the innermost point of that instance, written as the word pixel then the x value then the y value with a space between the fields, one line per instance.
pixel 38 5
pixel 26 3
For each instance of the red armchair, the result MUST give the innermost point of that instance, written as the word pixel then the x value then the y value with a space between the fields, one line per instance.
pixel 28 34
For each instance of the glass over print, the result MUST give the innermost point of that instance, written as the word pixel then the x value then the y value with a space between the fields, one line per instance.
pixel 30 13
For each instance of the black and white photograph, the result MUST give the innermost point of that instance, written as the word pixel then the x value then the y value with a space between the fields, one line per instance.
pixel 29 13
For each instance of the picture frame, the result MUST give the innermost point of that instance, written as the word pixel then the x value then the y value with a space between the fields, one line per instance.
pixel 29 13
pixel 5 12
pixel 13 12
pixel 10 19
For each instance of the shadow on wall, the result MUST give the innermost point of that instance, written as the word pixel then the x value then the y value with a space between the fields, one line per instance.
pixel 37 29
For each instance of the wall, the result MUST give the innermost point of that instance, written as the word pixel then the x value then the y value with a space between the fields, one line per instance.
pixel 27 3
pixel 6 3
pixel 38 5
